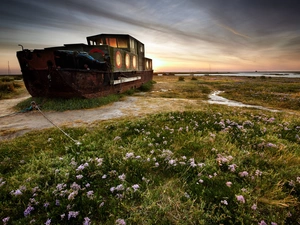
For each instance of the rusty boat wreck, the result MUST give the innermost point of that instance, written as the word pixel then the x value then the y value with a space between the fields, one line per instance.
pixel 108 64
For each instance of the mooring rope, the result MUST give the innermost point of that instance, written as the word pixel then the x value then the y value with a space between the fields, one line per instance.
pixel 34 105
pixel 15 113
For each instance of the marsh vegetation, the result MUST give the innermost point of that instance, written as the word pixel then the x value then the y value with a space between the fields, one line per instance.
pixel 209 164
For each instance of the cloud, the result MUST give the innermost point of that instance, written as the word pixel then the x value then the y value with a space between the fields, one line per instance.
pixel 200 30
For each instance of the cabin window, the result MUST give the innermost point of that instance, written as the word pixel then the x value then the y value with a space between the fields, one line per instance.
pixel 142 48
pixel 127 61
pixel 111 42
pixel 132 45
pixel 134 62
pixel 122 43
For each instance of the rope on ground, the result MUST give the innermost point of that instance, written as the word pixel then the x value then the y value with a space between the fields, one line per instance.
pixel 15 113
pixel 34 105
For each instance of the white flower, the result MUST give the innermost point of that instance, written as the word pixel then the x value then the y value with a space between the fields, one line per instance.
pixel 135 187
pixel 122 177
pixel 224 202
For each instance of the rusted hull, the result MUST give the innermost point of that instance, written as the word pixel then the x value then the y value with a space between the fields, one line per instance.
pixel 70 83
pixel 109 64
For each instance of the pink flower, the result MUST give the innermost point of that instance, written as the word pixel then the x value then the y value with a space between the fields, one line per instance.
pixel 120 222
pixel 243 174
pixel 254 207
pixel 228 184
pixel 232 167
pixel 240 198
pixel 262 223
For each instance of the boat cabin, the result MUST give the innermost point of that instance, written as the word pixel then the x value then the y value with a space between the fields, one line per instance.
pixel 122 41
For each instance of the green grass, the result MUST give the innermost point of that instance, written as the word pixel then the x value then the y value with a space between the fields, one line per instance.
pixel 60 104
pixel 170 168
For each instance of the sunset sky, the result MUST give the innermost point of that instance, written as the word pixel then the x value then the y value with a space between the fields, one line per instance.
pixel 179 35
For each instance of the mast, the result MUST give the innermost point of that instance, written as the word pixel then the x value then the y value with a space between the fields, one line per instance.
pixel 8 68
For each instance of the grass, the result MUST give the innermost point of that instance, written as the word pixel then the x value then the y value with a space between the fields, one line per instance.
pixel 60 104
pixel 10 86
pixel 214 165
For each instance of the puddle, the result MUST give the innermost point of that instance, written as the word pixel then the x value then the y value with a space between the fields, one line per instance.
pixel 214 98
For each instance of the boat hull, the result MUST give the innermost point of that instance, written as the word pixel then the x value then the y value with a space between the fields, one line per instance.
pixel 70 83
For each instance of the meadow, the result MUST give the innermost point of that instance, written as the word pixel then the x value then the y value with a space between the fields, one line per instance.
pixel 208 164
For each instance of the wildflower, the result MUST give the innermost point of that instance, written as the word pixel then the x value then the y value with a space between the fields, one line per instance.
pixel 48 222
pixel 112 189
pixel 240 198
pixel 72 195
pixel 46 204
pixel 5 220
pixel 200 181
pixel 90 194
pixel 224 202
pixel 221 159
pixel 72 214
pixel 99 161
pixel 232 167
pixel 120 187
pixel 2 182
pixel 244 190
pixel 28 211
pixel 104 176
pixel 101 204
pixel 129 155
pixel 62 216
pixel 271 145
pixel 262 223
pixel 228 184
pixel 87 185
pixel 292 183
pixel 273 223
pixel 156 164
pixel 201 165
pixel 16 192
pixel 192 162
pixel 145 179
pixel 57 202
pixel 119 196
pixel 86 221
pixel 243 174
pixel 172 162
pixel 254 207
pixel 75 186
pixel 258 173
pixel 122 177
pixel 117 138
pixel 79 177
pixel 135 187
pixel 120 222
pixel 73 163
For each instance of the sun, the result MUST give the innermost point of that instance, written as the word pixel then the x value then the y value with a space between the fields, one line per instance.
pixel 158 64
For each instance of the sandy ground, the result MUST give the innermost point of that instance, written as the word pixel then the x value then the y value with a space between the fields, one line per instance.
pixel 134 106
pixel 14 125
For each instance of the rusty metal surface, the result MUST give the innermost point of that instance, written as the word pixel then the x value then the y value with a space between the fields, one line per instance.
pixel 70 71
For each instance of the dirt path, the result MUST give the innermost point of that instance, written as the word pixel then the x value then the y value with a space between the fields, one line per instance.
pixel 16 125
